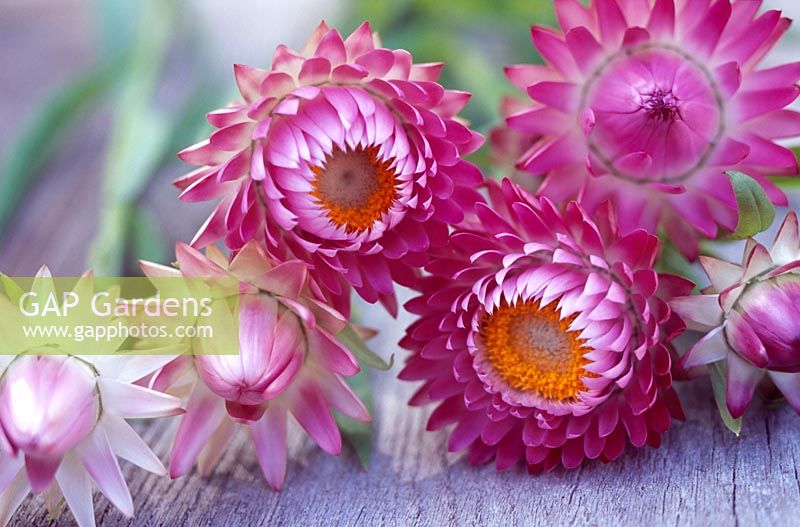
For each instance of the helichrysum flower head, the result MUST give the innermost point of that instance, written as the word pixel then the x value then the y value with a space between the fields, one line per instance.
pixel 345 155
pixel 648 103
pixel 750 312
pixel 289 362
pixel 62 426
pixel 543 334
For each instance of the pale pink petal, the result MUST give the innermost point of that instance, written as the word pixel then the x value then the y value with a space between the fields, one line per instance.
pixel 73 481
pixel 131 401
pixel 127 444
pixel 204 413
pixel 743 378
pixel 269 438
pixel 101 463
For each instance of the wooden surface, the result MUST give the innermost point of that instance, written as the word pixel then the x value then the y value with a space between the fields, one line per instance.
pixel 702 474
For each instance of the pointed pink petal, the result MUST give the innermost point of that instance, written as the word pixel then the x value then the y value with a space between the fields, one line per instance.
pixel 711 348
pixel 210 456
pixel 132 401
pixel 744 340
pixel 269 438
pixel 310 409
pixel 341 397
pixel 73 481
pixel 662 19
pixel 40 472
pixel 127 444
pixel 359 42
pixel 743 378
pixel 204 412
pixel 789 386
pixel 786 247
pixel 101 463
pixel 706 33
pixel 722 274
pixel 12 497
pixel 702 310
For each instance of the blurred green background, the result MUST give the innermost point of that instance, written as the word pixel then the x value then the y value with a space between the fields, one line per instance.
pixel 99 95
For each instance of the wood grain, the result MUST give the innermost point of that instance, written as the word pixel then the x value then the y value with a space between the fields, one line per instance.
pixel 702 474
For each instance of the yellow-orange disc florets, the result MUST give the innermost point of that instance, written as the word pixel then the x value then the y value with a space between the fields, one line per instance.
pixel 533 350
pixel 355 188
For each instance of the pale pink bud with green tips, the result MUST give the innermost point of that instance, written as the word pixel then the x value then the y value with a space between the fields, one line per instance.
pixel 751 313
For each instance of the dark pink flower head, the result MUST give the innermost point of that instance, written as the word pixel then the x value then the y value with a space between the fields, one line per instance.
pixel 750 314
pixel 649 103
pixel 289 362
pixel 345 155
pixel 544 333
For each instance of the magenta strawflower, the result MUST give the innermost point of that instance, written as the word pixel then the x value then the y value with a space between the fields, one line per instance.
pixel 649 103
pixel 289 362
pixel 63 425
pixel 544 333
pixel 750 313
pixel 345 155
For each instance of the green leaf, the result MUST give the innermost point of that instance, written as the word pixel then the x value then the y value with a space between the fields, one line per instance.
pixel 359 435
pixel 40 138
pixel 108 248
pixel 717 373
pixel 13 290
pixel 363 354
pixel 756 212
pixel 139 138
pixel 148 242
pixel 672 261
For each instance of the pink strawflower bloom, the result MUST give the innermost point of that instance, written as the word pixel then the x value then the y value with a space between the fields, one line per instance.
pixel 542 333
pixel 345 155
pixel 289 362
pixel 62 426
pixel 649 103
pixel 750 313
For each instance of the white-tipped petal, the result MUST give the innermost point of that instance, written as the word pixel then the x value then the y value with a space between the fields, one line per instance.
pixel 102 465
pixel 127 444
pixel 701 312
pixel 743 378
pixel 758 262
pixel 13 496
pixel 216 446
pixel 711 348
pixel 131 401
pixel 786 247
pixel 74 483
pixel 722 274
pixel 131 368
pixel 789 386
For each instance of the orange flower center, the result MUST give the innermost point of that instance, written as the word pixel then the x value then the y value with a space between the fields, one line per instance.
pixel 533 350
pixel 355 188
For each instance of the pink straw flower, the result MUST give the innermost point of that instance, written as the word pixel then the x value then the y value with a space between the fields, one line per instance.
pixel 62 425
pixel 289 362
pixel 649 103
pixel 345 155
pixel 544 334
pixel 750 313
